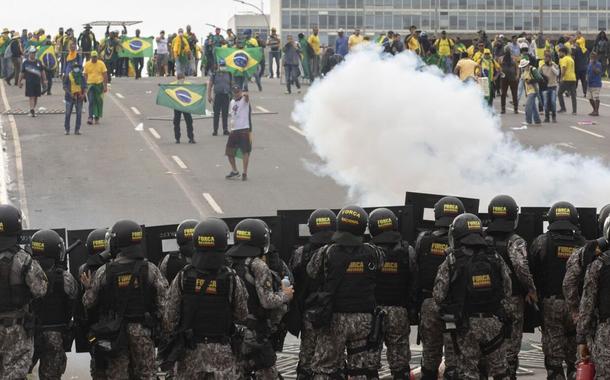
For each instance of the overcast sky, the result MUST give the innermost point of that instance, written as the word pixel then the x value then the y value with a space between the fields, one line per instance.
pixel 156 15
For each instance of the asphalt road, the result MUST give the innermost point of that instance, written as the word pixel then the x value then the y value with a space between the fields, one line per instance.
pixel 130 167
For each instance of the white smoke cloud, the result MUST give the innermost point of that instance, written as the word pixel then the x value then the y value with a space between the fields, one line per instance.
pixel 384 126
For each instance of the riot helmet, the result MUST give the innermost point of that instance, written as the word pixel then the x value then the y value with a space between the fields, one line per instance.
pixel 322 224
pixel 466 229
pixel 211 234
pixel 607 229
pixel 10 226
pixel 563 216
pixel 96 241
pixel 48 244
pixel 382 220
pixel 251 237
pixel 123 234
pixel 604 213
pixel 446 209
pixel 503 214
pixel 353 220
pixel 184 232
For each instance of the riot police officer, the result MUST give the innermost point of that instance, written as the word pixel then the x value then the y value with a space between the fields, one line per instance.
pixel 430 248
pixel 594 313
pixel 130 292
pixel 395 288
pixel 21 280
pixel 252 240
pixel 473 290
pixel 322 223
pixel 204 301
pixel 97 255
pixel 53 312
pixel 549 253
pixel 504 213
pixel 349 268
pixel 173 262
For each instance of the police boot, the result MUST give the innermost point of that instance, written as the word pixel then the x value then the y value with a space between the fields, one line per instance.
pixel 403 374
pixel 429 374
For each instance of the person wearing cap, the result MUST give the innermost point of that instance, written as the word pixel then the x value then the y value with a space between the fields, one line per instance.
pixel 355 39
pixel 490 69
pixel 444 48
pixel 75 88
pixel 33 72
pixel 548 256
pixel 182 52
pixel 87 42
pixel 15 52
pixel 594 79
pixel 314 57
pixel 96 76
pixel 567 82
pixel 219 93
pixel 109 53
pixel 530 78
pixel 162 54
pixel 240 136
pixel 5 62
pixel 275 52
pixel 341 43
pixel 292 59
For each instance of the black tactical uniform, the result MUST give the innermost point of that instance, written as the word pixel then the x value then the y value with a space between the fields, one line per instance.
pixel 175 261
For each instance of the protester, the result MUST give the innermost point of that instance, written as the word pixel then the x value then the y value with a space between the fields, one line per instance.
pixel 5 61
pixel 48 71
pixel 305 52
pixel 240 137
pixel 86 41
pixel 220 84
pixel 15 51
pixel 273 42
pixel 602 48
pixel 330 60
pixel 412 41
pixel 580 64
pixel 75 87
pixel 188 119
pixel 567 82
pixel 314 54
pixel 550 72
pixel 489 68
pixel 182 52
pixel 341 43
pixel 109 51
pixel 162 54
pixel 466 68
pixel 530 80
pixel 72 57
pixel 354 40
pixel 594 82
pixel 292 58
pixel 33 72
pixel 138 62
pixel 192 58
pixel 444 48
pixel 509 69
pixel 96 76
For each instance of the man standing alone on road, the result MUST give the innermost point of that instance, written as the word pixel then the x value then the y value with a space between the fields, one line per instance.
pixel 188 119
pixel 594 85
pixel 220 84
pixel 96 77
pixel 240 137
pixel 33 73
pixel 75 87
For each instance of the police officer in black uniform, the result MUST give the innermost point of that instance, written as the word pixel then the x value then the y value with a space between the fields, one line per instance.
pixel 430 248
pixel 473 290
pixel 252 240
pixel 395 289
pixel 97 254
pixel 204 301
pixel 53 312
pixel 349 269
pixel 173 262
pixel 131 294
pixel 549 253
pixel 322 223
pixel 21 280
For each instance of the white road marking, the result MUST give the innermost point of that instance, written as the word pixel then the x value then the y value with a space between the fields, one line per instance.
pixel 213 204
pixel 262 109
pixel 179 162
pixel 297 130
pixel 154 133
pixel 587 101
pixel 139 127
pixel 135 110
pixel 565 145
pixel 119 96
pixel 588 132
pixel 18 164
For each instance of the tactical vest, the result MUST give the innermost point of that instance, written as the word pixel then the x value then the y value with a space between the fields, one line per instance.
pixel 242 267
pixel 222 82
pixel 589 254
pixel 175 262
pixel 500 244
pixel 603 291
pixel 392 288
pixel 430 256
pixel 478 283
pixel 559 248
pixel 137 300
pixel 14 293
pixel 55 308
pixel 206 302
pixel 356 291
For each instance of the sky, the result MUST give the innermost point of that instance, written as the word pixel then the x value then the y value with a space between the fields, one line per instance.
pixel 156 15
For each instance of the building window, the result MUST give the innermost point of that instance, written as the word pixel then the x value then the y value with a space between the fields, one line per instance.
pixel 481 20
pixel 416 4
pixel 285 19
pixel 443 4
pixel 509 22
pixel 518 4
pixel 285 4
pixel 500 16
pixel 425 4
pixel 491 22
pixel 509 5
pixel 491 4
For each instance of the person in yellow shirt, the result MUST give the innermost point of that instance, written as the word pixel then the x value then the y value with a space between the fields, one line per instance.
pixel 314 56
pixel 490 69
pixel 75 87
pixel 355 39
pixel 580 41
pixel 444 48
pixel 182 51
pixel 412 41
pixel 567 82
pixel 96 76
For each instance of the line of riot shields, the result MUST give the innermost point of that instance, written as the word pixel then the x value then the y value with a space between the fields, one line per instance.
pixel 289 230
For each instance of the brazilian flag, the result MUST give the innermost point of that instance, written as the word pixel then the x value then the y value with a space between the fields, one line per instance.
pixel 136 47
pixel 240 61
pixel 46 55
pixel 185 97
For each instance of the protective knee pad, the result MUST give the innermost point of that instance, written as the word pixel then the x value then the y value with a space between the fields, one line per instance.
pixel 429 374
pixel 403 374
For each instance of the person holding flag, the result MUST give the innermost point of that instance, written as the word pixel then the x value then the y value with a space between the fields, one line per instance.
pixel 75 87
pixel 188 119
pixel 96 77
pixel 46 55
pixel 182 52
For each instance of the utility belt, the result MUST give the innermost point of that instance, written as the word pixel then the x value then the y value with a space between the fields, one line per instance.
pixel 374 339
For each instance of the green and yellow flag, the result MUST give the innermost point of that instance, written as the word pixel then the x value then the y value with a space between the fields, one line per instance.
pixel 46 55
pixel 183 97
pixel 136 47
pixel 240 61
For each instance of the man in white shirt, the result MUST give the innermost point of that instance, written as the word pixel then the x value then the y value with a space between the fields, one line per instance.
pixel 162 54
pixel 240 137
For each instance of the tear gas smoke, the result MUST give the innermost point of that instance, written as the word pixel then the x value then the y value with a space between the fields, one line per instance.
pixel 386 125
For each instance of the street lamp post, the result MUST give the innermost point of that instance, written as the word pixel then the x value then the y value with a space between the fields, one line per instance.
pixel 258 9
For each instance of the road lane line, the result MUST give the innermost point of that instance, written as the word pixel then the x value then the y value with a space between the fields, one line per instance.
pixel 135 110
pixel 192 197
pixel 587 100
pixel 154 133
pixel 262 109
pixel 297 130
pixel 213 204
pixel 119 95
pixel 18 162
pixel 588 132
pixel 179 162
